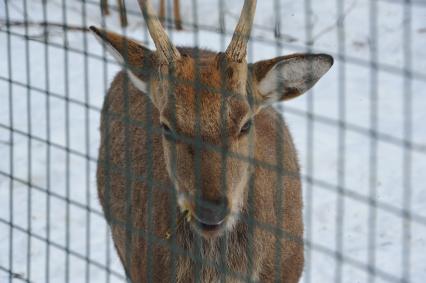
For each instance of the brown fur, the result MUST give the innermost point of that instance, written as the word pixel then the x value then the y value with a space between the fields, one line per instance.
pixel 137 194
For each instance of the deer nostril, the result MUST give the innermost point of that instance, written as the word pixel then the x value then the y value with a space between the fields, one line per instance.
pixel 211 212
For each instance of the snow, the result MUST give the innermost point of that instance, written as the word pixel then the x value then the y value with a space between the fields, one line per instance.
pixel 317 140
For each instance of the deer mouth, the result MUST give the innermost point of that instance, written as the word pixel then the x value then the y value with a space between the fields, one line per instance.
pixel 209 227
pixel 207 220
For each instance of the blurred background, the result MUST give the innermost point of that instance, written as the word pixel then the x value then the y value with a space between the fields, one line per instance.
pixel 360 133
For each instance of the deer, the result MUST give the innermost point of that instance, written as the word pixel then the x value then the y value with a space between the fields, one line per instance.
pixel 198 175
pixel 123 16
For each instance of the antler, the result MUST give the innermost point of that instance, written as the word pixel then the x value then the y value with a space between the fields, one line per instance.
pixel 166 50
pixel 237 49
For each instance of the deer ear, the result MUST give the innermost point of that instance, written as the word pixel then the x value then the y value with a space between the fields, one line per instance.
pixel 287 77
pixel 137 59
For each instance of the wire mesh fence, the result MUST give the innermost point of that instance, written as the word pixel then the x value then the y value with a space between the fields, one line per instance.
pixel 359 133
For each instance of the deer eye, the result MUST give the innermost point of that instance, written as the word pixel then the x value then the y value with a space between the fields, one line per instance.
pixel 167 132
pixel 246 127
pixel 165 128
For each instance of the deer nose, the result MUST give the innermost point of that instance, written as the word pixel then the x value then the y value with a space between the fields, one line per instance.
pixel 211 212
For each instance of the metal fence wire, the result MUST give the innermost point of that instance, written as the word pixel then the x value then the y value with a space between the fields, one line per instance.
pixel 360 136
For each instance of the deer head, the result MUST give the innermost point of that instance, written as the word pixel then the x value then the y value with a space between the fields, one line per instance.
pixel 207 103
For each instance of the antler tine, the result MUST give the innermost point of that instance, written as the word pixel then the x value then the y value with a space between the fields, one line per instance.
pixel 166 50
pixel 237 49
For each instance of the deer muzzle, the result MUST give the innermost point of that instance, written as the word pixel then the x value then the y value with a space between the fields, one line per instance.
pixel 210 214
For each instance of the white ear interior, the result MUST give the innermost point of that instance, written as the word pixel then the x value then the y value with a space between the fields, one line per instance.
pixel 267 85
pixel 299 73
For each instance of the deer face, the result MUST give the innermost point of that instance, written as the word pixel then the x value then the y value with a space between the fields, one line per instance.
pixel 207 131
pixel 207 104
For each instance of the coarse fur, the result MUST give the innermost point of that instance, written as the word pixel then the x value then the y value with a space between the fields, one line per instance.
pixel 172 135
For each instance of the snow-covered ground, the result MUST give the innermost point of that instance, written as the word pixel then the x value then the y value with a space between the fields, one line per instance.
pixel 357 233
